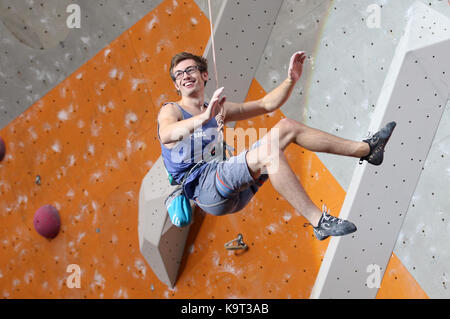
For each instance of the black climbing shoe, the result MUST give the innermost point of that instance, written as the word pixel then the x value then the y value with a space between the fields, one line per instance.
pixel 332 226
pixel 377 144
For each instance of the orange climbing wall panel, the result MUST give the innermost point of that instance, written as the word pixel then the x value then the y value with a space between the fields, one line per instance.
pixel 92 139
pixel 398 283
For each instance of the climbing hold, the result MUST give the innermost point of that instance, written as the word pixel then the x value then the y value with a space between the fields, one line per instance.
pixel 2 149
pixel 37 181
pixel 47 221
pixel 237 243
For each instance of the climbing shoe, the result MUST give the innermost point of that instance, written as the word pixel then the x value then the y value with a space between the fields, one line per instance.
pixel 377 143
pixel 332 226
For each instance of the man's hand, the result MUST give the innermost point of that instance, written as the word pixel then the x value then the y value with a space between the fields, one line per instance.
pixel 215 108
pixel 296 66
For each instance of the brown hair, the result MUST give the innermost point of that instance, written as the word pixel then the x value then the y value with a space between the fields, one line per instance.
pixel 200 61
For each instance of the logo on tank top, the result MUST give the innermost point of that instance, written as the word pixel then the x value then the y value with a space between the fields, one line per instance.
pixel 200 133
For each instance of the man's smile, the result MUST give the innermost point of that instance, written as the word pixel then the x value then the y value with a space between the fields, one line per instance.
pixel 189 83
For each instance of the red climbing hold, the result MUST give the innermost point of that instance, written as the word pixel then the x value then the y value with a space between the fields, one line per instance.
pixel 2 149
pixel 47 221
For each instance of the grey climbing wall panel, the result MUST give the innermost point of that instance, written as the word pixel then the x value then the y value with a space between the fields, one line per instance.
pixel 161 243
pixel 414 95
pixel 342 80
pixel 242 29
pixel 299 27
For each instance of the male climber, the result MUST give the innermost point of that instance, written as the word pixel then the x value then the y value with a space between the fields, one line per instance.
pixel 225 187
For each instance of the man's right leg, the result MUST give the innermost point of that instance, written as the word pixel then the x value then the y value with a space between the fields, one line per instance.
pixel 283 179
pixel 269 155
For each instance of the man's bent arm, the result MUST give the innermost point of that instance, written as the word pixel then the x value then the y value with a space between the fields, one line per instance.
pixel 171 130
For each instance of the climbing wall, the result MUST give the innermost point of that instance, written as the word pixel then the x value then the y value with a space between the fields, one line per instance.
pixel 92 139
pixel 38 50
pixel 161 249
pixel 413 95
pixel 348 63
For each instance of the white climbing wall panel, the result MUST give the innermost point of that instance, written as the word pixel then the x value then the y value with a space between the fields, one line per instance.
pixel 160 242
pixel 414 95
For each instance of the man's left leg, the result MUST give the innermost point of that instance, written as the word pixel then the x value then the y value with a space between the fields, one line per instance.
pixel 270 156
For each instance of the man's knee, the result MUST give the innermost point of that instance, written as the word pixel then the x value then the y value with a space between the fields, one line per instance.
pixel 287 126
pixel 287 130
pixel 264 156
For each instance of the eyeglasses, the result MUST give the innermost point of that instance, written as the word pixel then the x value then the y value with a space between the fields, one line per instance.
pixel 189 71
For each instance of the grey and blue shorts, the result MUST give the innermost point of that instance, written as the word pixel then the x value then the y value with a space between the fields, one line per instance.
pixel 227 187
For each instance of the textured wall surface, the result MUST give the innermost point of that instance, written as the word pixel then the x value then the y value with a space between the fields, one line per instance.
pixel 413 95
pixel 348 65
pixel 38 50
pixel 88 129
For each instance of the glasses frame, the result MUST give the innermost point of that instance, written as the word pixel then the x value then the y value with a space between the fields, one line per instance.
pixel 189 70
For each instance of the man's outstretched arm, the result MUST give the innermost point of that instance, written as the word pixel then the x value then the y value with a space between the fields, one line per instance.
pixel 273 100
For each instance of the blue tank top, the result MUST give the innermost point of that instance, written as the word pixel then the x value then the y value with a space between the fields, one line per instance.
pixel 189 151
